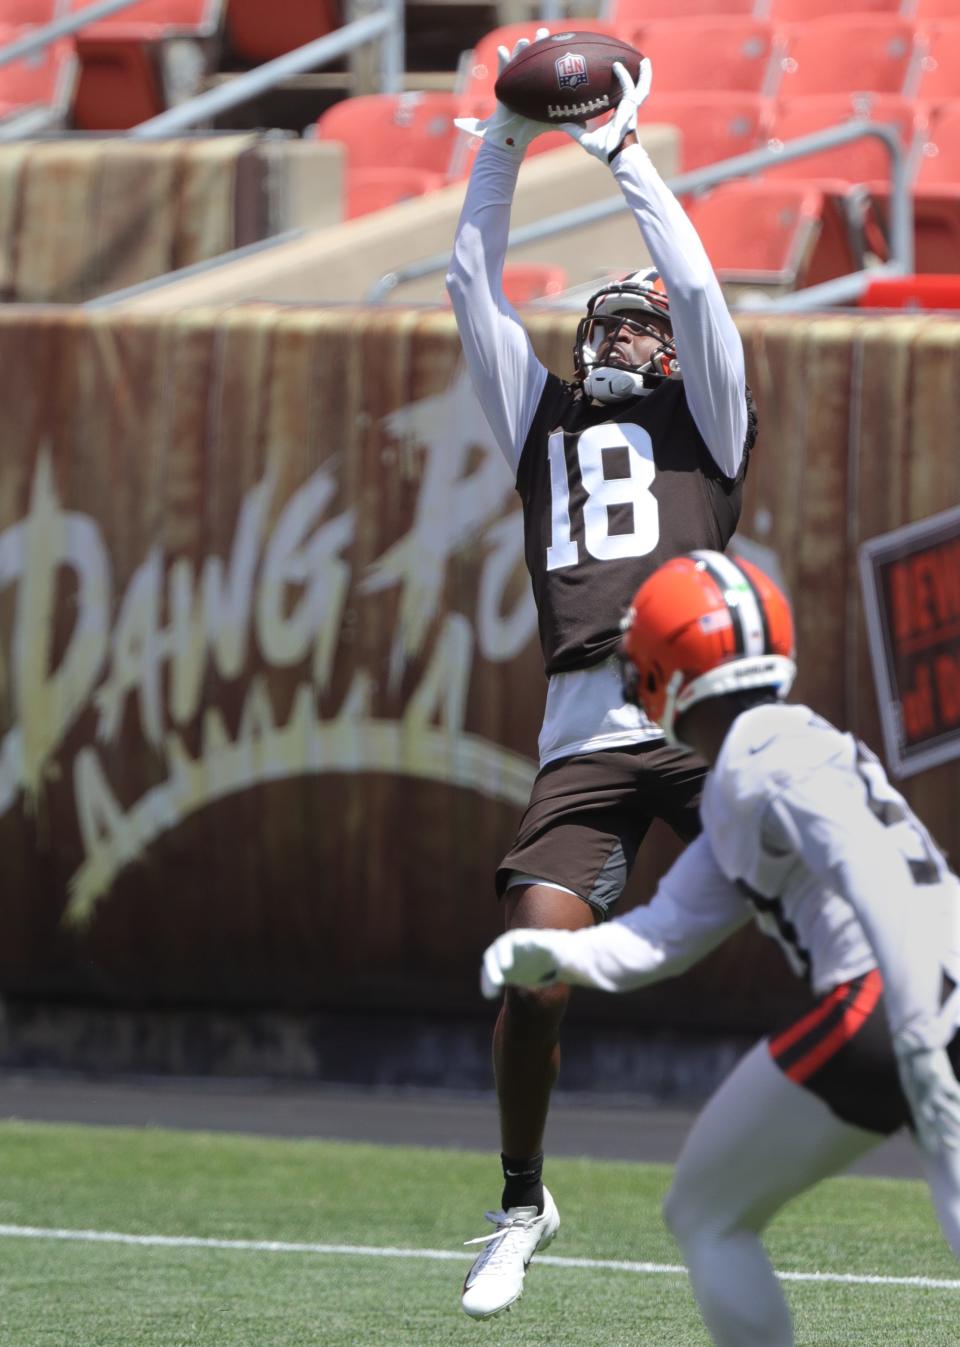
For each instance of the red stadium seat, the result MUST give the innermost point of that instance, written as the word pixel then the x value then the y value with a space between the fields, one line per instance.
pixel 912 292
pixel 186 16
pixel 939 160
pixel 937 73
pixel 923 11
pixel 480 66
pixel 19 13
pixel 936 225
pixel 936 228
pixel 121 78
pixel 713 126
pixel 120 82
pixel 935 195
pixel 44 79
pixel 756 231
pixel 526 281
pixel 371 189
pixel 847 54
pixel 259 30
pixel 628 14
pixel 799 11
pixel 864 160
pixel 772 233
pixel 700 54
pixel 410 130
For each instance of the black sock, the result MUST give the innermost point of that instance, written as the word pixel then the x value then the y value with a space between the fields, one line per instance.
pixel 522 1182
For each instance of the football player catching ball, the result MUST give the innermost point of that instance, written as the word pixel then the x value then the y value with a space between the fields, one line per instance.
pixel 638 458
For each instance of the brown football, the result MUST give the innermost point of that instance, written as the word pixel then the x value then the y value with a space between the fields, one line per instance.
pixel 566 77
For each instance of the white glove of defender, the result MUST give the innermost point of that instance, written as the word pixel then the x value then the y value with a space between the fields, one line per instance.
pixel 503 128
pixel 933 1092
pixel 604 142
pixel 523 957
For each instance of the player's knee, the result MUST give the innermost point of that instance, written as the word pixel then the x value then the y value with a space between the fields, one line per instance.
pixel 687 1213
pixel 535 1011
pixel 697 1211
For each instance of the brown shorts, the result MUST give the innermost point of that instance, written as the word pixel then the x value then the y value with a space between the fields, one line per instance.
pixel 841 1051
pixel 588 815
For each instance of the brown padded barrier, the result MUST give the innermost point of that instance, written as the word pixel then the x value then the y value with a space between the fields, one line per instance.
pixel 79 218
pixel 269 683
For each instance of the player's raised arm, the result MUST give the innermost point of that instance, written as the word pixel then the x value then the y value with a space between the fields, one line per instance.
pixel 507 376
pixel 708 344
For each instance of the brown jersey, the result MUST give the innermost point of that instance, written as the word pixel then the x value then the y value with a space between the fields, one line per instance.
pixel 609 493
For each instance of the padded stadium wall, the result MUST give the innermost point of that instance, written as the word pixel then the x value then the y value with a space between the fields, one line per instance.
pixel 269 678
pixel 81 218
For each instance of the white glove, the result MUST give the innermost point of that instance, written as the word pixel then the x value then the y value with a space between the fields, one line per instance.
pixel 521 958
pixel 604 142
pixel 934 1094
pixel 503 128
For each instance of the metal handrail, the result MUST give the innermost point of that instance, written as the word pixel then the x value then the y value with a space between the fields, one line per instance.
pixel 386 23
pixel 52 32
pixel 698 180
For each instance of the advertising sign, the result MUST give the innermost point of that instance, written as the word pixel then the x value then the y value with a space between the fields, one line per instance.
pixel 911 588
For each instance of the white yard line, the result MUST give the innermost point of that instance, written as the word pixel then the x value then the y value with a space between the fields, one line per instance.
pixel 434 1255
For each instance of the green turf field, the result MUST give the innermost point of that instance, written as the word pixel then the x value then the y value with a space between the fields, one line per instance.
pixel 247 1192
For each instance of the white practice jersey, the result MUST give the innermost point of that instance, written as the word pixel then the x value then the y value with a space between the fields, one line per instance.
pixel 585 709
pixel 803 833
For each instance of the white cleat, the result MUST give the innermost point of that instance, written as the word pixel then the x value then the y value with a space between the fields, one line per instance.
pixel 495 1281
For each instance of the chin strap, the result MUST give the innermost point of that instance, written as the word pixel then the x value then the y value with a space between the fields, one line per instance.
pixel 611 383
pixel 607 384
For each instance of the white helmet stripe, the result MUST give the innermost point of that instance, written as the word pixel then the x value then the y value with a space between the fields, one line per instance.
pixel 741 599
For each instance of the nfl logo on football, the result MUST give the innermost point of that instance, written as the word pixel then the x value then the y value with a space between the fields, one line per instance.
pixel 571 70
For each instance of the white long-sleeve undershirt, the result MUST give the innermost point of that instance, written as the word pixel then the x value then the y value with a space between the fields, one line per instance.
pixel 708 344
pixel 507 375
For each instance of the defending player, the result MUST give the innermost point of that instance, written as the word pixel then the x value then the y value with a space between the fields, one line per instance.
pixel 803 832
pixel 641 457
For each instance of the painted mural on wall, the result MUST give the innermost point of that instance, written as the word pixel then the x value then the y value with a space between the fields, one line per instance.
pixel 260 618
pixel 287 591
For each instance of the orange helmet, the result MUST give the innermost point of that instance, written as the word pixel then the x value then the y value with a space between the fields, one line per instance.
pixel 704 625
